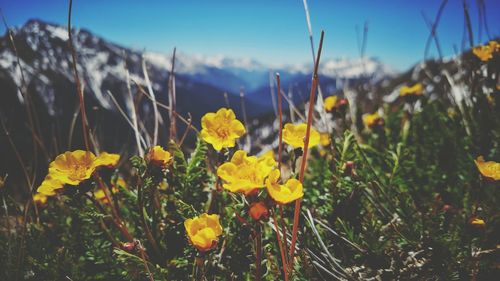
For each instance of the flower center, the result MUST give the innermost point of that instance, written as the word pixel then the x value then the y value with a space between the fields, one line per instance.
pixel 222 132
pixel 78 171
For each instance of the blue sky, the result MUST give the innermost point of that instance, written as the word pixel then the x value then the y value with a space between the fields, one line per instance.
pixel 273 32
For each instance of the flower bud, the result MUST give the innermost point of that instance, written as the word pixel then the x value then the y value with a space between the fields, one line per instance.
pixel 128 246
pixel 259 211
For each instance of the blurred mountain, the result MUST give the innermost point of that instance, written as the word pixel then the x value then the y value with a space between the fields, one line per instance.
pixel 46 61
pixel 202 83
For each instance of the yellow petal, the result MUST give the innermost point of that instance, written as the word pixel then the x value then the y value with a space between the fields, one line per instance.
pixel 106 159
pixel 294 135
pixel 488 169
pixel 221 129
pixel 330 102
pixel 73 167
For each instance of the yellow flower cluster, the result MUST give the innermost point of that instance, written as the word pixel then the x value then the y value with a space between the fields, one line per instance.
pixel 415 90
pixel 245 173
pixel 485 52
pixel 203 231
pixel 489 169
pixel 221 129
pixel 71 168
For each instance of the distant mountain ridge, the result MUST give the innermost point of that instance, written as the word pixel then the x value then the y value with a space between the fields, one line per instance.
pixel 202 83
pixel 45 57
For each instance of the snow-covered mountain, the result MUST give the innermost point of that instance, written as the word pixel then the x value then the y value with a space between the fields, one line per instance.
pixel 46 61
pixel 201 81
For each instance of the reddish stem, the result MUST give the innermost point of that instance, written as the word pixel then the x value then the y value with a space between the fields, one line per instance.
pixel 280 113
pixel 282 250
pixel 306 150
pixel 77 81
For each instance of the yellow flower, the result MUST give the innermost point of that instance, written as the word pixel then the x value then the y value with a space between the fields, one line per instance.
pixel 269 154
pixel 415 90
pixel 373 120
pixel 258 211
pixel 489 169
pixel 159 156
pixel 221 129
pixel 294 135
pixel 324 139
pixel 120 182
pixel 494 45
pixel 101 195
pixel 283 193
pixel 245 173
pixel 477 222
pixel 49 186
pixel 203 231
pixel 484 53
pixel 107 160
pixel 163 185
pixel 40 199
pixel 73 167
pixel 329 103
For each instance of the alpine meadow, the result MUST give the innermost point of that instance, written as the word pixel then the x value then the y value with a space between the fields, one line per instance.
pixel 258 140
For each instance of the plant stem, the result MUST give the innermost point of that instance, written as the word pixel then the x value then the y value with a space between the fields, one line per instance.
pixel 258 252
pixel 77 81
pixel 282 250
pixel 306 149
pixel 280 113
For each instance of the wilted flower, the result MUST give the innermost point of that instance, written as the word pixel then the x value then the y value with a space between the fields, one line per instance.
pixel 294 135
pixel 373 120
pixel 484 53
pixel 446 208
pixel 221 129
pixel 203 231
pixel 349 169
pixel 283 193
pixel 245 173
pixel 258 210
pixel 489 169
pixel 158 156
pixel 129 246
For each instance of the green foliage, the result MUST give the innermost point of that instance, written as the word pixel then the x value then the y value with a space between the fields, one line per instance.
pixel 393 202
